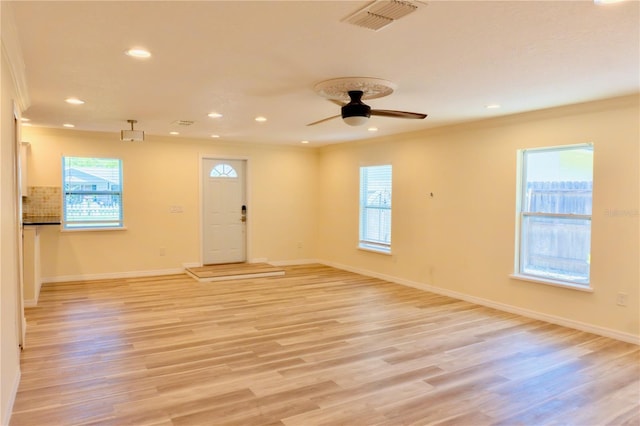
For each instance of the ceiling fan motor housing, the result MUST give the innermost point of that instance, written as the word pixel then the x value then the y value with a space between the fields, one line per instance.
pixel 355 108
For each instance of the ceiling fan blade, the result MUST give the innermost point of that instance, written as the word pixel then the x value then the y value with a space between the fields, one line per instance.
pixel 397 114
pixel 337 102
pixel 324 119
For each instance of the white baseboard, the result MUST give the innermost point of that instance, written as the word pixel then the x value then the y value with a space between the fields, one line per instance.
pixel 566 322
pixel 12 398
pixel 113 275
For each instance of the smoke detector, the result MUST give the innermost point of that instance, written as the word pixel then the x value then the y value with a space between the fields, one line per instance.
pixel 132 135
pixel 183 122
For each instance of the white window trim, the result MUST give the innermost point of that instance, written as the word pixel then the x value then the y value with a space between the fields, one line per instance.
pixel 120 227
pixel 85 229
pixel 517 275
pixel 368 246
pixel 381 250
pixel 554 283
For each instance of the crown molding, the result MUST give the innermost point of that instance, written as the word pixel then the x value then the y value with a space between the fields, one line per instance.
pixel 12 54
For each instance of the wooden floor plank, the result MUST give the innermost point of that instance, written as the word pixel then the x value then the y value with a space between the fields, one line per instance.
pixel 316 346
pixel 228 271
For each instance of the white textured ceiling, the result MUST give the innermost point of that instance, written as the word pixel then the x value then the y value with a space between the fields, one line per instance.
pixel 247 58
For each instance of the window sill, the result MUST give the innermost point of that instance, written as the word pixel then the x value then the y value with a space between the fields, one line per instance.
pixel 554 283
pixel 120 228
pixel 375 250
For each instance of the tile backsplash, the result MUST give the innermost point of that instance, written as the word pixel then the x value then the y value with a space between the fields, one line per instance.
pixel 42 201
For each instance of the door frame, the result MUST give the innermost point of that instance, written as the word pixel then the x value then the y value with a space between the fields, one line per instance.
pixel 21 320
pixel 247 196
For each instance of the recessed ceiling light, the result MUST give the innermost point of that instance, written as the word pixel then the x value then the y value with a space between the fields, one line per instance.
pixel 261 119
pixel 138 53
pixel 74 101
pixel 607 1
pixel 304 142
pixel 493 106
pixel 68 125
pixel 214 115
pixel 174 133
pixel 23 119
pixel 372 129
pixel 215 136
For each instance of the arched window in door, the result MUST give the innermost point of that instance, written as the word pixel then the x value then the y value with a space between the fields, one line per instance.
pixel 223 170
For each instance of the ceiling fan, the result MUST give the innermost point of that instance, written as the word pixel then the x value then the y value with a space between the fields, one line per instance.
pixel 348 93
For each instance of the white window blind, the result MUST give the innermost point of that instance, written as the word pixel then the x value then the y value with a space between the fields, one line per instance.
pixel 375 208
pixel 92 190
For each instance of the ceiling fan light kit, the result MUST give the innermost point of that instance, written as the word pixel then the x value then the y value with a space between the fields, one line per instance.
pixel 356 120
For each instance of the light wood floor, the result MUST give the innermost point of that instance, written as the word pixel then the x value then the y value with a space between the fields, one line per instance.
pixel 317 346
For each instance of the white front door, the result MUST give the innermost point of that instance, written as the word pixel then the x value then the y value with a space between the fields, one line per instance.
pixel 224 211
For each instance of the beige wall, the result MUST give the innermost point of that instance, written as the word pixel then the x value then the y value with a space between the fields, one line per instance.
pixel 461 240
pixel 163 172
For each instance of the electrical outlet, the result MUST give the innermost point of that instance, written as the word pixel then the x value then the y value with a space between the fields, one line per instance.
pixel 175 209
pixel 162 251
pixel 621 299
pixel 299 244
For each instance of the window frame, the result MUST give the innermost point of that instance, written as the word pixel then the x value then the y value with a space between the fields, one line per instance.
pixel 521 185
pixel 365 243
pixel 97 225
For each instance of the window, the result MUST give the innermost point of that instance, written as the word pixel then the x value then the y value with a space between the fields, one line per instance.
pixel 92 190
pixel 375 208
pixel 223 170
pixel 555 201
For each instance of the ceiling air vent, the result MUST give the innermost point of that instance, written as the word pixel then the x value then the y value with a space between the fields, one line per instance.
pixel 183 122
pixel 381 13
